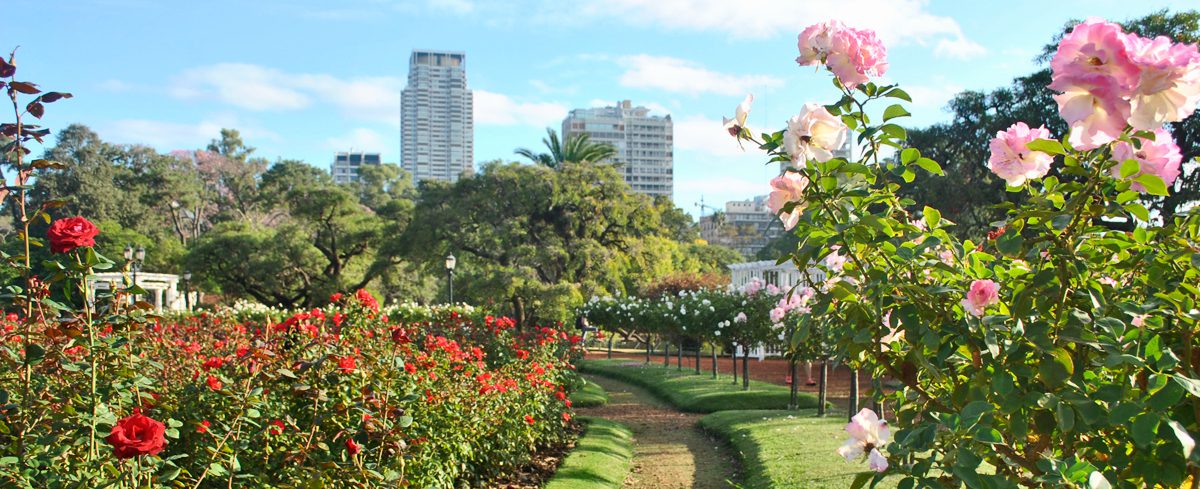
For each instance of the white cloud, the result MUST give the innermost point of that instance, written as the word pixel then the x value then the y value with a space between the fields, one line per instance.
pixel 498 109
pixel 173 135
pixel 596 103
pixel 260 88
pixel 657 109
pixel 961 48
pixel 359 139
pixel 707 136
pixel 929 100
pixel 896 21
pixel 683 76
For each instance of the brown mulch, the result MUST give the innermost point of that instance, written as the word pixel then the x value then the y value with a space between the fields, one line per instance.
pixel 542 467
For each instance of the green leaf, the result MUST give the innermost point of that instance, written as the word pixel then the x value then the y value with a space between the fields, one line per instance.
pixel 909 155
pixel 1047 146
pixel 1064 414
pixel 1153 183
pixel 973 411
pixel 34 354
pixel 1010 242
pixel 930 166
pixel 1185 439
pixel 898 93
pixel 894 111
pixel 1144 429
pixel 1191 385
pixel 932 216
pixel 861 480
pixel 990 436
pixel 1127 196
pixel 1129 167
pixel 404 421
pixel 1055 368
pixel 1138 210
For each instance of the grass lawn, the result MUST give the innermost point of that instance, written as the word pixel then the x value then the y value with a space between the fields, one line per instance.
pixel 788 449
pixel 591 395
pixel 601 458
pixel 694 393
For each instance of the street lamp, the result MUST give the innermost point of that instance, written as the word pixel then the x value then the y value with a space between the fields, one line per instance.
pixel 135 259
pixel 187 291
pixel 450 262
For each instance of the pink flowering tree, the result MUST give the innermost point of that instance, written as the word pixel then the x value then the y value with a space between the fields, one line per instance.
pixel 1058 352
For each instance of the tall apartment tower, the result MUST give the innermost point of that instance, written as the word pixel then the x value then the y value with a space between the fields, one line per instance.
pixel 437 129
pixel 346 165
pixel 644 143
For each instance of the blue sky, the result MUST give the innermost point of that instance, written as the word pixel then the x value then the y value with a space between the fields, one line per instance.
pixel 303 79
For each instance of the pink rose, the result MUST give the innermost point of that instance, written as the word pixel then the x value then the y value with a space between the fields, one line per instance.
pixel 1012 159
pixel 1169 84
pixel 777 314
pixel 814 134
pixel 868 434
pixel 814 42
pixel 983 293
pixel 1096 74
pixel 1095 110
pixel 788 187
pixel 1159 156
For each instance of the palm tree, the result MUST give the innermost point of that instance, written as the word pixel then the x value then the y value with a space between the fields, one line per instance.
pixel 577 148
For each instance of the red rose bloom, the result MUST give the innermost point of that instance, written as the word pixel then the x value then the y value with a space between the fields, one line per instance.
pixel 529 419
pixel 275 427
pixel 137 435
pixel 203 427
pixel 352 447
pixel 347 364
pixel 70 233
pixel 213 383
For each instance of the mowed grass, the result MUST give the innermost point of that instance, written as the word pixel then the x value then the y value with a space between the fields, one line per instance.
pixel 788 449
pixel 591 395
pixel 694 393
pixel 601 458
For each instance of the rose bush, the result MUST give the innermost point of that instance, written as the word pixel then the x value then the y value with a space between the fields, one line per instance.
pixel 1056 352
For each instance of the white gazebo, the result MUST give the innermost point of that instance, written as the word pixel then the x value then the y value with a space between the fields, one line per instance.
pixel 783 275
pixel 162 289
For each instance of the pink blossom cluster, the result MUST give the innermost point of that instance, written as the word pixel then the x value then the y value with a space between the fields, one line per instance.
pixel 853 55
pixel 796 301
pixel 982 294
pixel 1110 80
pixel 785 188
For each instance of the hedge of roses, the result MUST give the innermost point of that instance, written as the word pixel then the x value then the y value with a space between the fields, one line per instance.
pixel 1057 352
pixel 342 396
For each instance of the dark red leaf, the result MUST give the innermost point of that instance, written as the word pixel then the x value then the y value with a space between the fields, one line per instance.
pixel 29 88
pixel 36 109
pixel 6 70
pixel 49 97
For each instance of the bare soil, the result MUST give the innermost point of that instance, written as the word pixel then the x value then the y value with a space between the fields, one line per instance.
pixel 670 450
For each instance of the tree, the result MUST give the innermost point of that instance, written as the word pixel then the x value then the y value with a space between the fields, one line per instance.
pixel 577 148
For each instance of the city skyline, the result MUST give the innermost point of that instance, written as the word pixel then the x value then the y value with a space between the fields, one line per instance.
pixel 173 75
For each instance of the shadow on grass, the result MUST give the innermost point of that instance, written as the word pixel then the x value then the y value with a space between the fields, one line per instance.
pixel 694 393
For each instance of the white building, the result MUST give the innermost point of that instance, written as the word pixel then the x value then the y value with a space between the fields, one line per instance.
pixel 346 165
pixel 745 225
pixel 784 275
pixel 162 289
pixel 437 129
pixel 644 143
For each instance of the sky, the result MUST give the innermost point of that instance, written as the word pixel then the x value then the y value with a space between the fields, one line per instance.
pixel 304 79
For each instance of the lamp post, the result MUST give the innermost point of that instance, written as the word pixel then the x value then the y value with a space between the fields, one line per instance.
pixel 187 291
pixel 135 259
pixel 450 262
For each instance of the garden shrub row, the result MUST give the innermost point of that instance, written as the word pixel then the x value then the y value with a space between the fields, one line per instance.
pixel 694 393
pixel 601 458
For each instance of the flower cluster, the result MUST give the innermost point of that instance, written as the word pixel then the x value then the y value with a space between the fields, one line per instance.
pixel 853 55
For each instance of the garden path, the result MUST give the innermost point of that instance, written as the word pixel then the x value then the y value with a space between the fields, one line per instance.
pixel 670 450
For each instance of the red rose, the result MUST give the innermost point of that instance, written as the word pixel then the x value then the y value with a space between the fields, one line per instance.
pixel 70 233
pixel 214 383
pixel 347 364
pixel 352 447
pixel 136 435
pixel 529 420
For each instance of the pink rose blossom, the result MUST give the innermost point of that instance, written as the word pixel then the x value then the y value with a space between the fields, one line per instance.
pixel 1012 159
pixel 814 42
pixel 1139 320
pixel 738 122
pixel 814 134
pixel 835 261
pixel 1169 84
pixel 777 314
pixel 983 293
pixel 1094 48
pixel 788 187
pixel 855 55
pixel 1096 111
pixel 740 318
pixel 1159 156
pixel 868 434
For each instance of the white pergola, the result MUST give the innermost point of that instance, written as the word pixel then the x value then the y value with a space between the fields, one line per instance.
pixel 783 275
pixel 162 289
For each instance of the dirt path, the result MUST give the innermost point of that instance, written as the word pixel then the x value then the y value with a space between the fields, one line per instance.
pixel 670 451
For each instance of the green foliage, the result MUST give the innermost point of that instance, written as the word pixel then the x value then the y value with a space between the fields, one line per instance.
pixel 577 148
pixel 601 458
pixel 590 395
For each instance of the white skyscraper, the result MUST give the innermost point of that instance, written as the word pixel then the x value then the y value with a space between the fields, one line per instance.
pixel 437 139
pixel 644 143
pixel 345 167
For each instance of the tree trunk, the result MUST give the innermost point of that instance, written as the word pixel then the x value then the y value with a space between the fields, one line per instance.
pixel 746 369
pixel 714 361
pixel 666 354
pixel 610 342
pixel 853 393
pixel 733 356
pixel 679 357
pixel 648 347
pixel 822 379
pixel 518 311
pixel 698 343
pixel 795 372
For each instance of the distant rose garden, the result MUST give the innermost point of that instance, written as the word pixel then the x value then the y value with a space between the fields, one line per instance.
pixel 1060 350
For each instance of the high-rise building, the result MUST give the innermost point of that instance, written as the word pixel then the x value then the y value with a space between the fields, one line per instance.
pixel 437 127
pixel 346 165
pixel 644 143
pixel 744 225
